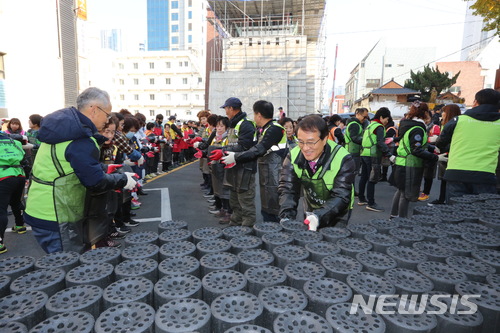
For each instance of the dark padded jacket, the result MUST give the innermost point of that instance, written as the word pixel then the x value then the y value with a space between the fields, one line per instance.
pixel 416 144
pixel 340 196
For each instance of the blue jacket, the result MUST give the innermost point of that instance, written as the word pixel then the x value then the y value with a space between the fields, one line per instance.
pixel 82 154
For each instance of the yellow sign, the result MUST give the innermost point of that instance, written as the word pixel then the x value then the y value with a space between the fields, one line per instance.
pixel 82 10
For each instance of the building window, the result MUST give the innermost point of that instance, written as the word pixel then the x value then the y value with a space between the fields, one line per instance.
pixel 372 83
pixel 197 97
pixel 151 113
pixel 168 97
pixel 180 63
pixel 186 63
pixel 136 81
pixel 175 40
pixel 188 113
pixel 362 65
pixel 455 89
pixel 190 3
pixel 184 80
pixel 388 65
pixel 175 28
pixel 167 112
pixel 136 65
pixel 200 80
pixel 184 97
pixel 136 97
pixel 152 97
pixel 190 26
pixel 175 4
pixel 175 16
pixel 190 15
pixel 190 39
pixel 2 69
pixel 121 66
pixel 151 81
pixel 122 97
pixel 401 65
pixel 122 82
pixel 151 65
pixel 167 80
pixel 136 111
pixel 167 64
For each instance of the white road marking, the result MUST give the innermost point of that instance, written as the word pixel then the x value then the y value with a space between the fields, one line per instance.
pixel 166 212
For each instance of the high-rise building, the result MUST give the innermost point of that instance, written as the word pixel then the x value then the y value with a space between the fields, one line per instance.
pixel 176 25
pixel 474 39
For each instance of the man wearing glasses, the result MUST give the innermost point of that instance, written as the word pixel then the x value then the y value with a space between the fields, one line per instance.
pixel 67 165
pixel 325 172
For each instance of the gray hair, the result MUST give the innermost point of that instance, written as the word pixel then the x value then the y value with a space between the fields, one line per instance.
pixel 92 95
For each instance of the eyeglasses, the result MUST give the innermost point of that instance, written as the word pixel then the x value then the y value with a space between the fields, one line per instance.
pixel 108 116
pixel 308 144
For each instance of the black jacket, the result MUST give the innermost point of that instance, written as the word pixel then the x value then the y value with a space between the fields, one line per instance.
pixel 356 137
pixel 416 139
pixel 273 135
pixel 335 207
pixel 484 112
pixel 246 133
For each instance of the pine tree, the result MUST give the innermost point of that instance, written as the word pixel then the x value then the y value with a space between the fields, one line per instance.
pixel 430 78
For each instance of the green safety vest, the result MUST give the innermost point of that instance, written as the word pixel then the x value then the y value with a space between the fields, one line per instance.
pixel 232 133
pixel 474 145
pixel 11 155
pixel 283 142
pixel 369 143
pixel 352 147
pixel 404 156
pixel 317 188
pixel 55 194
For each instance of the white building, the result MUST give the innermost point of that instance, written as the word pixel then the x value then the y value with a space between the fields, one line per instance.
pixel 159 82
pixel 382 64
pixel 38 47
pixel 474 39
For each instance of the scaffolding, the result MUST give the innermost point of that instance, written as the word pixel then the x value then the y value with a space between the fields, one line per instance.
pixel 272 49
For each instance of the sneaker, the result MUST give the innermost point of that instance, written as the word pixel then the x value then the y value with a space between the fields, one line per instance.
pixel 221 213
pixel 136 202
pixel 423 197
pixel 362 202
pixel 435 202
pixel 131 223
pixel 374 208
pixel 211 201
pixel 19 229
pixel 116 235
pixel 107 242
pixel 208 195
pixel 3 249
pixel 214 211
pixel 148 176
pixel 123 230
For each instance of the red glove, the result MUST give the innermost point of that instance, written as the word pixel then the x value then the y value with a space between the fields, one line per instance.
pixel 216 155
pixel 112 167
pixel 150 154
pixel 199 154
pixel 229 166
pixel 197 139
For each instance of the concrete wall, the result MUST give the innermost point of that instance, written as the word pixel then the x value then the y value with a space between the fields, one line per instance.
pixel 249 86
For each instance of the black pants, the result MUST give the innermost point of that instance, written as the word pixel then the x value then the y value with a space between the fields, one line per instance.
pixel 11 191
pixel 457 189
pixel 366 169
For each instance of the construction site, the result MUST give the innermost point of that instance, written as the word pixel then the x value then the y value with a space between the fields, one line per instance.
pixel 272 50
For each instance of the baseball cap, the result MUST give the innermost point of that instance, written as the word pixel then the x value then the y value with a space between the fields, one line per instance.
pixel 232 102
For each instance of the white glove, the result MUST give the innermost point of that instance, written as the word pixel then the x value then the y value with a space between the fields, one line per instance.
pixel 392 159
pixel 312 222
pixel 140 161
pixel 155 149
pixel 229 158
pixel 442 158
pixel 25 138
pixel 28 146
pixel 196 144
pixel 433 138
pixel 128 162
pixel 131 182
pixel 437 150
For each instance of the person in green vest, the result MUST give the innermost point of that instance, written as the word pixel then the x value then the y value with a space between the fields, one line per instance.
pixel 412 151
pixel 240 179
pixel 12 180
pixel 373 147
pixel 474 140
pixel 269 152
pixel 66 166
pixel 323 171
pixel 354 134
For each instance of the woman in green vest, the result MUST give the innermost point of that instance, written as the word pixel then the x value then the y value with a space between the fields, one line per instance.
pixel 413 149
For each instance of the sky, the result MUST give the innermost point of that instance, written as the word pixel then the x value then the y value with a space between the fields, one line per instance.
pixel 354 25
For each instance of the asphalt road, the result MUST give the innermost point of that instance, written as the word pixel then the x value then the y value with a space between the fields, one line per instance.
pixel 177 195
